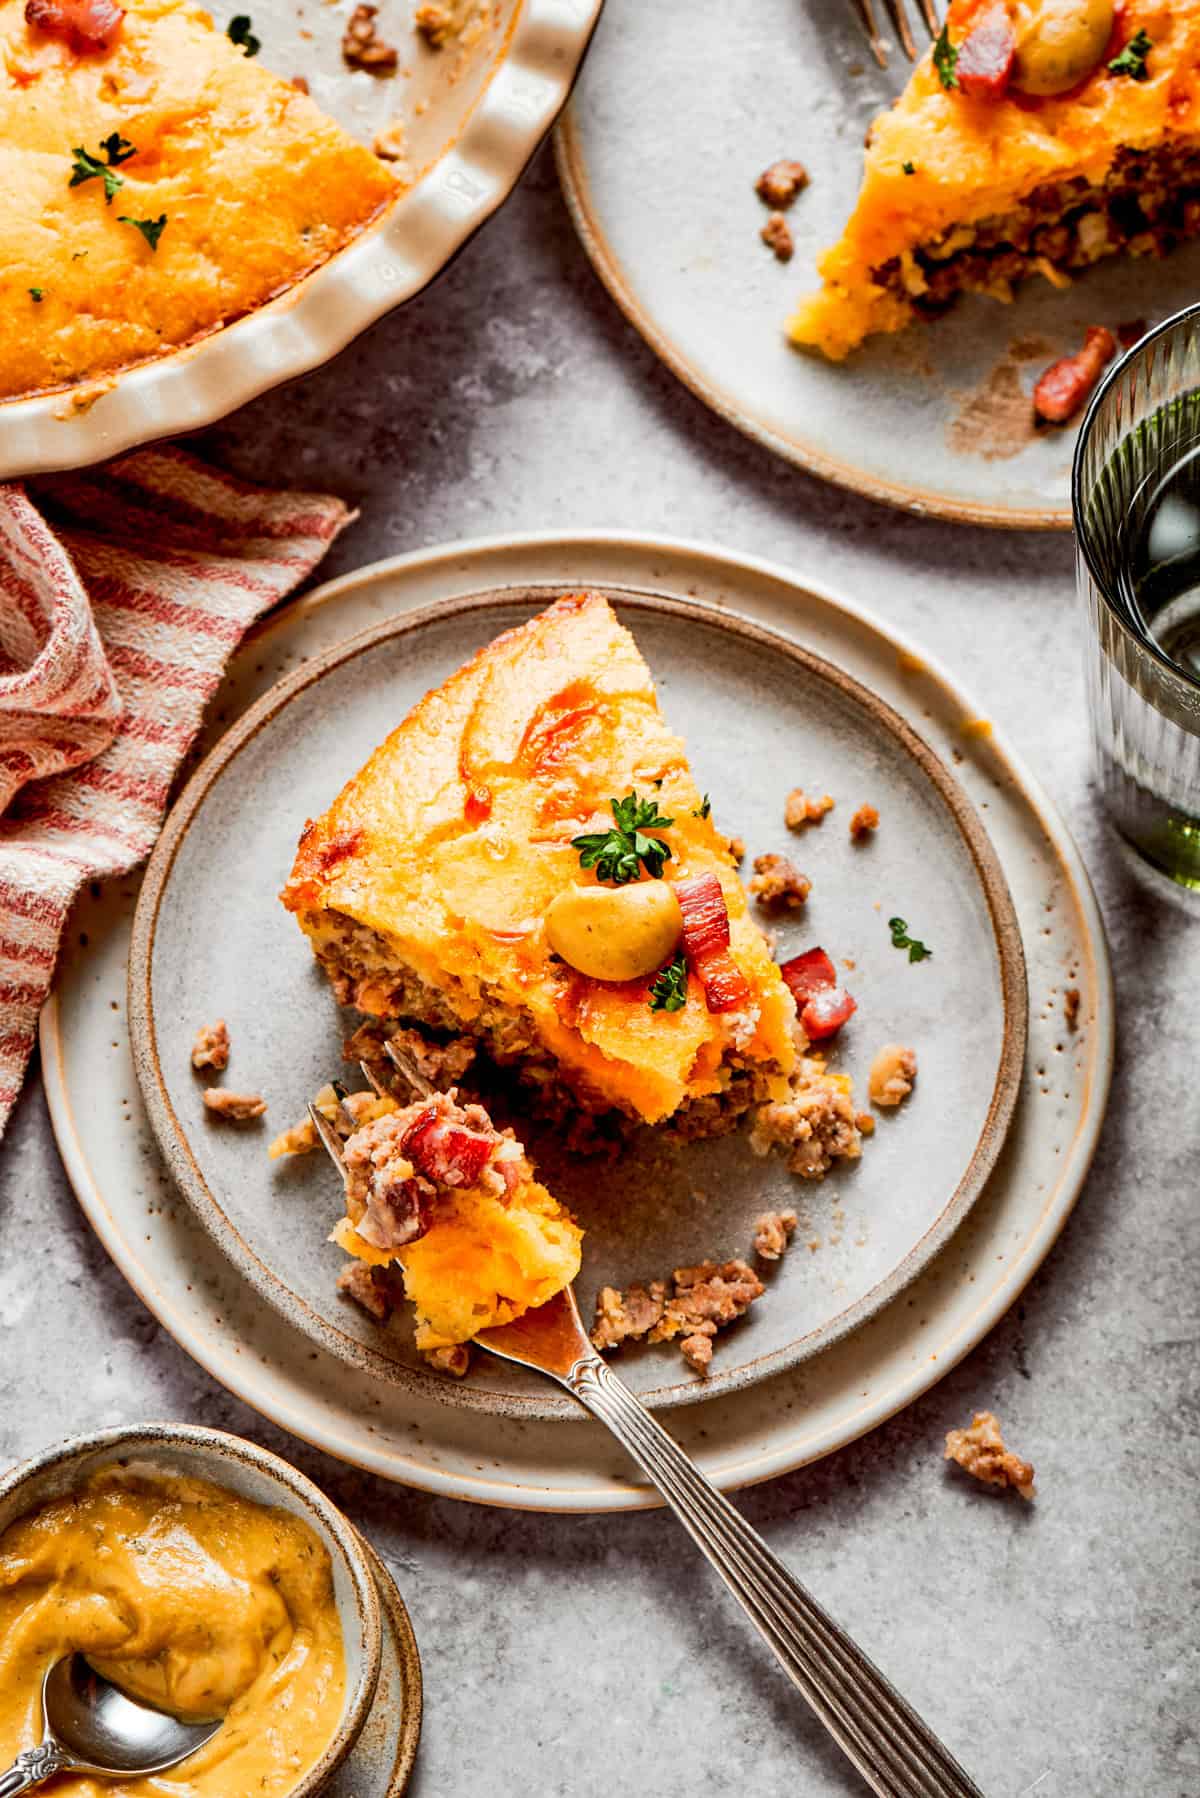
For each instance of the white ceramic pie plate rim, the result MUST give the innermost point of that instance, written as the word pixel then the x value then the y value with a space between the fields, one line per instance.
pixel 393 260
pixel 804 1424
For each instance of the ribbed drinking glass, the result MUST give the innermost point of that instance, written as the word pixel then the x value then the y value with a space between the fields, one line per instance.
pixel 1136 496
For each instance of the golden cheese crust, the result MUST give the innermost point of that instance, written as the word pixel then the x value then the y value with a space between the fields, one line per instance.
pixel 456 836
pixel 975 159
pixel 257 185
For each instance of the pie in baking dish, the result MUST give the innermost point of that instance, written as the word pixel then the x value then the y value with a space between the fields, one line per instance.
pixel 527 860
pixel 1036 137
pixel 158 184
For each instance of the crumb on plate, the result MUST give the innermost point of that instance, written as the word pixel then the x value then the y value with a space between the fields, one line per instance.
pixel 1071 1002
pixel 773 1233
pixel 702 1300
pixel 237 1107
pixel 892 1074
pixel 980 1451
pixel 778 883
pixel 799 809
pixel 454 1359
pixel 864 821
pixel 362 46
pixel 434 22
pixel 211 1047
pixel 815 1125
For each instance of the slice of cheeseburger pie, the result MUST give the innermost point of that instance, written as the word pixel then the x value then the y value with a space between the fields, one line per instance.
pixel 1035 138
pixel 527 861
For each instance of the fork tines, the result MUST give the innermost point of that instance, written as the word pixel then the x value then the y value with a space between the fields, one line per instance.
pixel 330 1139
pixel 899 16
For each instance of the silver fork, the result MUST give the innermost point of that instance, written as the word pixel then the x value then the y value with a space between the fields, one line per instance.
pixel 896 1753
pixel 899 16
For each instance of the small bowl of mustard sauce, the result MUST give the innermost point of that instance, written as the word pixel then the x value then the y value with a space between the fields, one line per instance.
pixel 205 1577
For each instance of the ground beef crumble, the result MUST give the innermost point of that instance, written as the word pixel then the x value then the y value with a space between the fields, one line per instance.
pixel 363 48
pixel 815 1125
pixel 777 235
pixel 211 1047
pixel 702 1300
pixel 454 1359
pixel 773 1233
pixel 737 849
pixel 892 1074
pixel 799 809
pixel 778 185
pixel 778 884
pixel 237 1107
pixel 357 1281
pixel 434 22
pixel 864 822
pixel 981 1452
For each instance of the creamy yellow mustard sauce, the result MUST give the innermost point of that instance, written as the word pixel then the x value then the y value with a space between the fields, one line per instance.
pixel 192 1598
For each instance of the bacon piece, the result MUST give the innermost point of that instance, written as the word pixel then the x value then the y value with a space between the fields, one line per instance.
pixel 826 1012
pixel 1067 384
pixel 824 1006
pixel 986 56
pixel 706 943
pixel 83 24
pixel 445 1152
pixel 808 974
pixel 477 808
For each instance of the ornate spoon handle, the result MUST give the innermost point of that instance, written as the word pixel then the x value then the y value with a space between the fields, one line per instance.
pixel 896 1753
pixel 31 1767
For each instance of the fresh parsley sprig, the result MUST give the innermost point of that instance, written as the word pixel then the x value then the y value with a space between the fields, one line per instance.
pixel 1132 60
pixel 239 32
pixel 151 229
pixel 87 167
pixel 669 989
pixel 37 295
pixel 917 951
pixel 616 854
pixel 704 809
pixel 945 60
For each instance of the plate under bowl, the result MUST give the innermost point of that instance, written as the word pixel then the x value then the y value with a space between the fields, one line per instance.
pixel 760 714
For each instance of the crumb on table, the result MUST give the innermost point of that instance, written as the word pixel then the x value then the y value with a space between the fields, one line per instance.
pixel 235 1106
pixel 211 1047
pixel 778 883
pixel 799 809
pixel 892 1074
pixel 777 235
pixel 362 46
pixel 778 185
pixel 864 821
pixel 980 1451
pixel 773 1233
pixel 1071 1002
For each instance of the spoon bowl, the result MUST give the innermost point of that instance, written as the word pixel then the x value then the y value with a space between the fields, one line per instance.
pixel 103 1731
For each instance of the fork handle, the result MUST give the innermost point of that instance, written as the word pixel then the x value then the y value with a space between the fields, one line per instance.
pixel 896 1753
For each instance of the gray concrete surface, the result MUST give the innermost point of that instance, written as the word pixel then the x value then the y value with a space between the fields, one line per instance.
pixel 1054 1646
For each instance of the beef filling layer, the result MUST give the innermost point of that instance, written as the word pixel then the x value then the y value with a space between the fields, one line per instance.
pixel 1147 204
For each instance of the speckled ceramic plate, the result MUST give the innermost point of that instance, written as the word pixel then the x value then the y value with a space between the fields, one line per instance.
pixel 760 715
pixel 772 1425
pixel 659 174
pixel 473 113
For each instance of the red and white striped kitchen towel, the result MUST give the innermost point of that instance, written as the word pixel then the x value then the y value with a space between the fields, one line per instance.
pixel 124 590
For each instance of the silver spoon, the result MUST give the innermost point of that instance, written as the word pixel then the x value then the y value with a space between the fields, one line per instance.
pixel 91 1727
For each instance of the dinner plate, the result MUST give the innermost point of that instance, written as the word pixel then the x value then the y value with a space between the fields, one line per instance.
pixel 760 714
pixel 768 1426
pixel 473 114
pixel 679 110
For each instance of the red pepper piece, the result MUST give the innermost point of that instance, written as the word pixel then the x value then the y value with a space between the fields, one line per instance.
pixel 808 974
pixel 1067 383
pixel 824 1014
pixel 83 24
pixel 986 56
pixel 446 1153
pixel 706 943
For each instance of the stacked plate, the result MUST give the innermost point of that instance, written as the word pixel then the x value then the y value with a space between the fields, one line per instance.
pixel 913 1254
